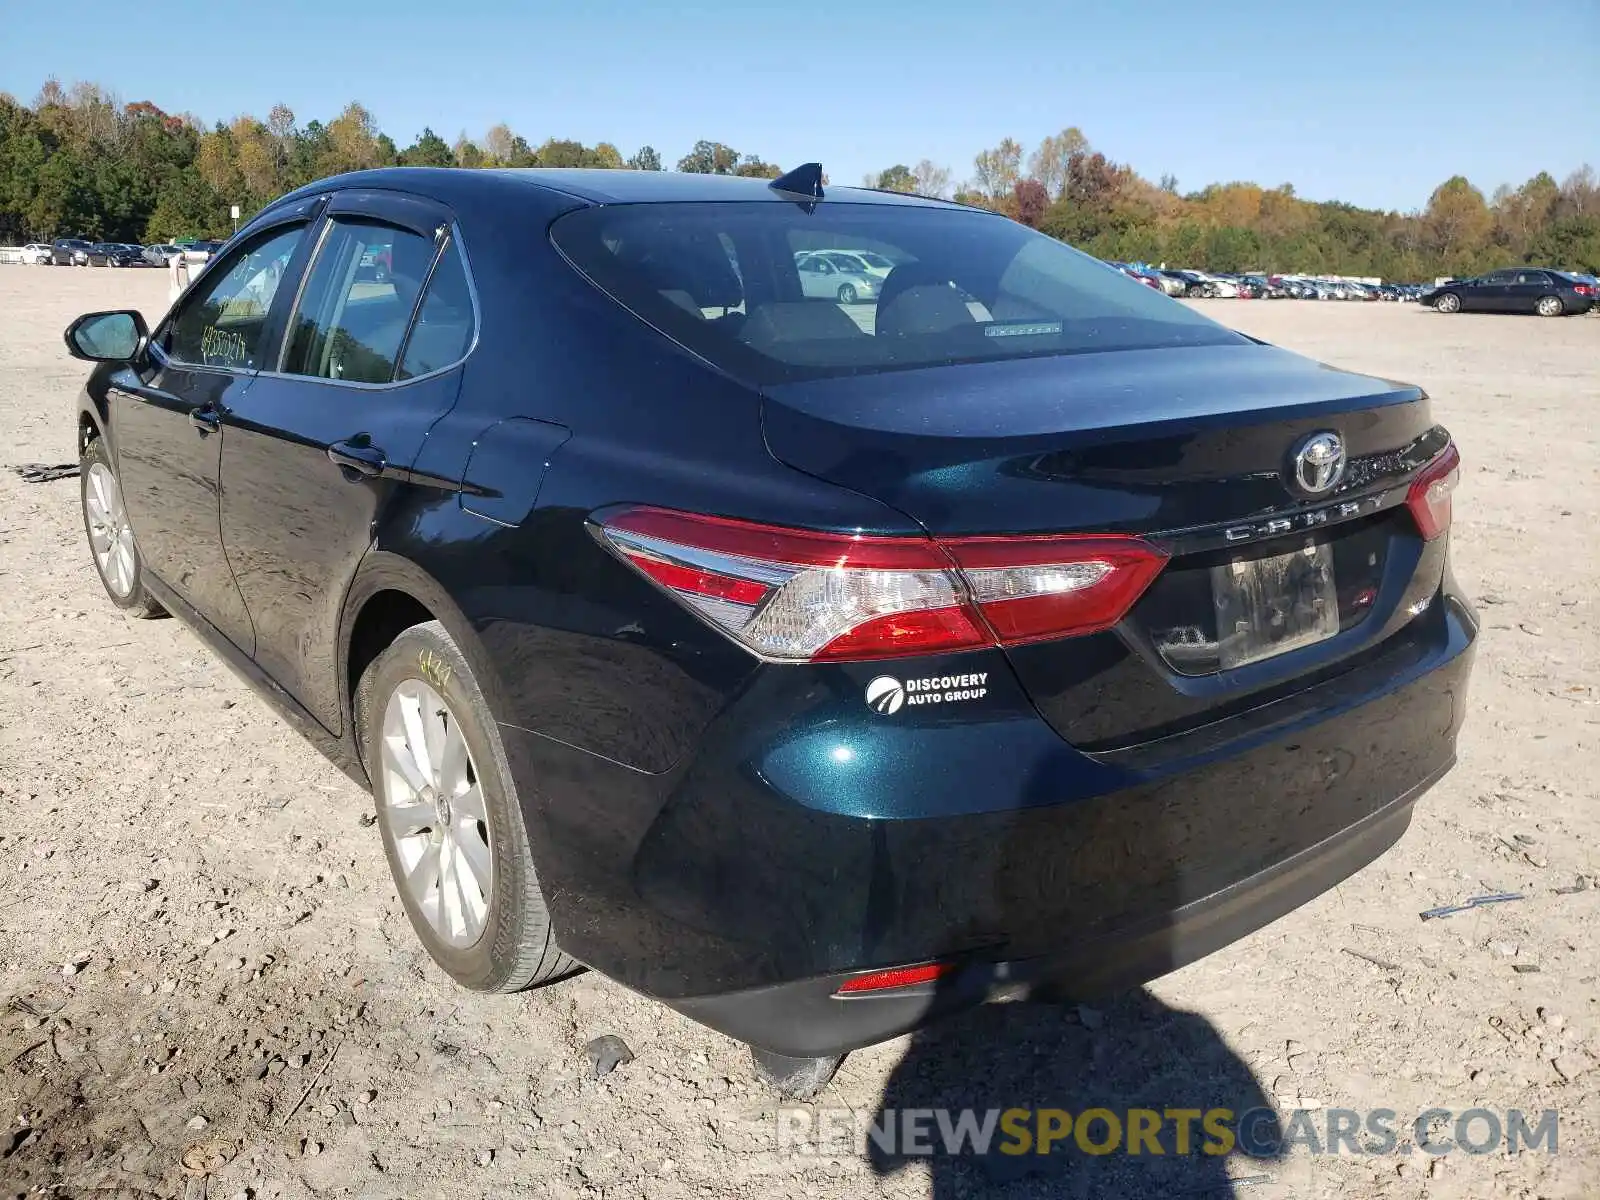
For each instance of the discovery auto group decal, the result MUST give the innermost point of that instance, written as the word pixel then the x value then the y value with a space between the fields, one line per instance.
pixel 888 695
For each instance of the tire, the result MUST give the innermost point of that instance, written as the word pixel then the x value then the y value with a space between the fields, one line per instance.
pixel 112 547
pixel 501 940
pixel 1448 303
pixel 847 293
pixel 1550 306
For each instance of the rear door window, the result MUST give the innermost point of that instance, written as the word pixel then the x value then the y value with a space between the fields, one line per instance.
pixel 959 286
pixel 444 327
pixel 358 302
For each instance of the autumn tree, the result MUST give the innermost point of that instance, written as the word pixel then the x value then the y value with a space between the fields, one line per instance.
pixel 709 158
pixel 1048 163
pixel 751 166
pixel 996 171
pixel 1457 223
pixel 498 145
pixel 931 178
pixel 897 178
pixel 1029 200
pixel 352 142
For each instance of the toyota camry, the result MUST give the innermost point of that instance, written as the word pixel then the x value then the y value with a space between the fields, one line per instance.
pixel 815 668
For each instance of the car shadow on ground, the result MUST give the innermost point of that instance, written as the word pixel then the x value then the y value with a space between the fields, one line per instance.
pixel 1135 1053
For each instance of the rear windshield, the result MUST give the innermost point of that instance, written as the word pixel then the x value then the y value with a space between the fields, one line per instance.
pixel 753 288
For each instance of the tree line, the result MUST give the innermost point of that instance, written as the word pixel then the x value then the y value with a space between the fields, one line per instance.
pixel 78 162
pixel 1071 191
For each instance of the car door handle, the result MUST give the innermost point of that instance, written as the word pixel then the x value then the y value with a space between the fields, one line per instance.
pixel 206 419
pixel 359 456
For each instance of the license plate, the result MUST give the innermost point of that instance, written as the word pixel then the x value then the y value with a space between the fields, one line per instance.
pixel 1268 606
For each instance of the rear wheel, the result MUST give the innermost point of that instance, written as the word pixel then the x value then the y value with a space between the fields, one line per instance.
pixel 1549 306
pixel 1448 303
pixel 111 542
pixel 847 293
pixel 448 814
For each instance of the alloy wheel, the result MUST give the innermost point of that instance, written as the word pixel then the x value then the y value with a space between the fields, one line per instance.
pixel 110 536
pixel 432 805
pixel 1549 306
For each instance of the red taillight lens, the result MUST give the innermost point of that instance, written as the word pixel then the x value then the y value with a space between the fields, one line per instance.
pixel 1583 289
pixel 795 595
pixel 1030 588
pixel 1429 496
pixel 895 977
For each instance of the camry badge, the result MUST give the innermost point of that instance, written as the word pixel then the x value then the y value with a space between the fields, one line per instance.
pixel 1319 463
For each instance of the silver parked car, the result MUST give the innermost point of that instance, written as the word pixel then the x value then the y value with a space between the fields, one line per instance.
pixel 161 254
pixel 821 278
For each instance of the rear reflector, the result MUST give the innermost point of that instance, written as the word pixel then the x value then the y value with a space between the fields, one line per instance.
pixel 1429 495
pixel 895 977
pixel 794 595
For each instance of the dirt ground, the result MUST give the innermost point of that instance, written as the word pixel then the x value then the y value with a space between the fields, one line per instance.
pixel 207 986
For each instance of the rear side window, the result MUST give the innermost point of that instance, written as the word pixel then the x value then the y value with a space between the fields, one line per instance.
pixel 352 318
pixel 443 332
pixel 773 293
pixel 220 321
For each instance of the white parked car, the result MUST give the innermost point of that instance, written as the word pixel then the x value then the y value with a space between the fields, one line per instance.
pixel 36 254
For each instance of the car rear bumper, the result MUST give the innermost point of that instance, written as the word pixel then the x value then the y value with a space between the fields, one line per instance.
pixel 807 1018
pixel 800 848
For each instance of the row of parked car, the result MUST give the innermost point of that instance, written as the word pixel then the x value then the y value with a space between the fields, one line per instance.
pixel 1539 290
pixel 79 252
pixel 1205 285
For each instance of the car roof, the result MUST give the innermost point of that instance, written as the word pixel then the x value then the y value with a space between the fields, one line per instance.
pixel 601 186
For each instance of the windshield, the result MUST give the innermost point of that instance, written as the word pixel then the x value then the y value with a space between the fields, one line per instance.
pixel 723 280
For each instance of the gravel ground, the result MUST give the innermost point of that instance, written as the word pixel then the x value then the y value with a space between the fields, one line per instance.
pixel 207 986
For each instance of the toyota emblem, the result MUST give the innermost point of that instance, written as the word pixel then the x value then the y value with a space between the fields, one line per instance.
pixel 1319 463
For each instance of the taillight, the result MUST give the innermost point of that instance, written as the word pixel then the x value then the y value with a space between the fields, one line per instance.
pixel 1031 588
pixel 794 595
pixel 1429 496
pixel 1583 289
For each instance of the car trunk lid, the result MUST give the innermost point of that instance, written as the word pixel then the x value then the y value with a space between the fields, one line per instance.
pixel 1191 449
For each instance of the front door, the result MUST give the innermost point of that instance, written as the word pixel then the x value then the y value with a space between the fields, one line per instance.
pixel 1492 293
pixel 318 449
pixel 166 424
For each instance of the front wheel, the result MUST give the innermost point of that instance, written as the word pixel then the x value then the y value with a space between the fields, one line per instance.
pixel 1549 306
pixel 1448 303
pixel 448 814
pixel 847 293
pixel 111 542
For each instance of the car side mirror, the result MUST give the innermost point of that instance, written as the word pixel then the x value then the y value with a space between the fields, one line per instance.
pixel 115 337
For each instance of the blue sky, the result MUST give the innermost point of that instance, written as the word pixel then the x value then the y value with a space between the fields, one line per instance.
pixel 1374 103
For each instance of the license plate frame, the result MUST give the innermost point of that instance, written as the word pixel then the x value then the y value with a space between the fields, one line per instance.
pixel 1273 605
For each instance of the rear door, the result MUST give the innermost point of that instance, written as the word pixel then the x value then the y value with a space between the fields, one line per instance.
pixel 1528 289
pixel 167 422
pixel 315 451
pixel 817 278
